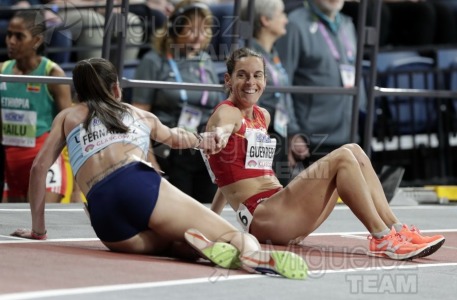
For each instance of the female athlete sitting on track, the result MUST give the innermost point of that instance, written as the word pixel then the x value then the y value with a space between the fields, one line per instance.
pixel 288 214
pixel 132 208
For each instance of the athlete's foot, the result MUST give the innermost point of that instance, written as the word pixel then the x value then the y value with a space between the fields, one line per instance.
pixel 283 263
pixel 395 247
pixel 414 236
pixel 222 254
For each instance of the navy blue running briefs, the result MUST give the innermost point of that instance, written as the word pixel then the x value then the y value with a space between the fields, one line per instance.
pixel 121 204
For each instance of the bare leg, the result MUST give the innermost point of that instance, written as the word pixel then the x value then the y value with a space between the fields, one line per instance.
pixel 146 242
pixel 176 212
pixel 307 201
pixel 374 185
pixel 149 242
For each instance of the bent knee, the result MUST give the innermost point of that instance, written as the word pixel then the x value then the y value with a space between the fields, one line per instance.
pixel 345 155
pixel 355 149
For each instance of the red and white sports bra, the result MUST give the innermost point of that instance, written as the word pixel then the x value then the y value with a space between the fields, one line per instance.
pixel 248 153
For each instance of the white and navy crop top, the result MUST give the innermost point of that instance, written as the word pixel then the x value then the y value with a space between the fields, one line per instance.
pixel 82 144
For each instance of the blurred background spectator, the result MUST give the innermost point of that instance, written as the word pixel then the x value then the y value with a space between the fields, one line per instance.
pixel 319 49
pixel 179 56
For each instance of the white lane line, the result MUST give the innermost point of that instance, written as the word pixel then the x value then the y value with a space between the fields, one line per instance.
pixel 412 207
pixel 18 240
pixel 366 232
pixel 359 237
pixel 146 285
pixel 47 209
pixel 424 207
pixel 117 287
pixel 229 209
pixel 351 236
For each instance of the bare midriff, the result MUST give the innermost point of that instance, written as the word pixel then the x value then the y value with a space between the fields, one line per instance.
pixel 237 192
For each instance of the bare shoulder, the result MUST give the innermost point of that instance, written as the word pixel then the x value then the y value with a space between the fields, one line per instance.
pixel 145 116
pixel 266 114
pixel 138 112
pixel 228 112
pixel 72 116
pixel 224 114
pixel 68 112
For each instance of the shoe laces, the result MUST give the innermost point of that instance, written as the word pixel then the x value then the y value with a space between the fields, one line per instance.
pixel 415 229
pixel 394 237
pixel 398 237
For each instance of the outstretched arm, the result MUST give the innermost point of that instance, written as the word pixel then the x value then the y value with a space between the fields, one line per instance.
pixel 224 121
pixel 176 138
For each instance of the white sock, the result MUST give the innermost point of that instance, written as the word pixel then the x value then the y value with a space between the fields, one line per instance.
pixel 379 235
pixel 397 226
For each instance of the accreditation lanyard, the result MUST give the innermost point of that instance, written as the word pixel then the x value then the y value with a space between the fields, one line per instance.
pixel 203 78
pixel 335 53
pixel 174 68
pixel 281 118
pixel 275 72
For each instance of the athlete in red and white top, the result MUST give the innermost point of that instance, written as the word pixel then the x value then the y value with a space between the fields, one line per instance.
pixel 288 214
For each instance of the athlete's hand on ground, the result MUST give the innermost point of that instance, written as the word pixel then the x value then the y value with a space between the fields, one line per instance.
pixel 23 233
pixel 28 234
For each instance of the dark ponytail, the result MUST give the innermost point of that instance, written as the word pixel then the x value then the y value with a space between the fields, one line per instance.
pixel 93 80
